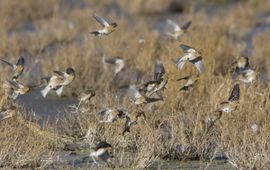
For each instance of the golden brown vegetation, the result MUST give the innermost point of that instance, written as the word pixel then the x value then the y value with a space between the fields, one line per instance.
pixel 175 128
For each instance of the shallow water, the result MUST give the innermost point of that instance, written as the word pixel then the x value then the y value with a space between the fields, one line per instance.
pixel 47 108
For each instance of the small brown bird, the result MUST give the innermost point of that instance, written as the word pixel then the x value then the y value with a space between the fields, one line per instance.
pixel 191 55
pixel 15 89
pixel 132 119
pixel 231 104
pixel 248 76
pixel 101 151
pixel 84 97
pixel 107 29
pixel 243 71
pixel 190 82
pixel 111 115
pixel 159 83
pixel 177 30
pixel 137 98
pixel 57 81
pixel 17 68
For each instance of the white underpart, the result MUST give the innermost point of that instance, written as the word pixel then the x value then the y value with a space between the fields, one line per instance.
pixel 98 152
pixel 119 66
pixel 59 91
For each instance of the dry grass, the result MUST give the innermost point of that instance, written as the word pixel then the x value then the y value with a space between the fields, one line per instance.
pixel 174 128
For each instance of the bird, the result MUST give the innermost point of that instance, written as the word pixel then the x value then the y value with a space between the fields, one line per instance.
pixel 132 119
pixel 6 113
pixel 137 98
pixel 157 86
pixel 231 104
pixel 191 55
pixel 86 96
pixel 248 76
pixel 242 64
pixel 177 30
pixel 110 115
pixel 190 82
pixel 57 81
pixel 107 29
pixel 243 70
pixel 117 61
pixel 14 89
pixel 101 151
pixel 159 82
pixel 18 68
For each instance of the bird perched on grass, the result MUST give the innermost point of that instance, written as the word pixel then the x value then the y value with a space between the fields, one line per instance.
pixel 111 115
pixel 17 68
pixel 243 71
pixel 101 151
pixel 177 30
pixel 107 29
pixel 132 119
pixel 191 55
pixel 190 82
pixel 118 62
pixel 231 104
pixel 57 81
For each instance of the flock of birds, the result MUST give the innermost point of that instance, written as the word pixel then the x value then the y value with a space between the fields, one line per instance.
pixel 138 95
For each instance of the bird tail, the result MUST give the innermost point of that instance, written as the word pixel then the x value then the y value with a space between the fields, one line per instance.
pixel 45 91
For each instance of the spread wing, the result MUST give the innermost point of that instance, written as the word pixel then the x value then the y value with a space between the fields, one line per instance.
pixel 175 26
pixel 100 20
pixel 133 93
pixel 235 94
pixel 186 26
pixel 199 65
pixel 8 63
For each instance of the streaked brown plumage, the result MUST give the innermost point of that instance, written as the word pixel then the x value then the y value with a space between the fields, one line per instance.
pixel 18 68
pixel 57 81
pixel 190 55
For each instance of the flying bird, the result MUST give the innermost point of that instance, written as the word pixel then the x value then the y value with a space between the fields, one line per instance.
pixel 101 151
pixel 57 81
pixel 110 115
pixel 159 82
pixel 18 68
pixel 243 71
pixel 177 30
pixel 132 119
pixel 190 82
pixel 191 55
pixel 231 104
pixel 118 62
pixel 15 89
pixel 138 98
pixel 107 29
